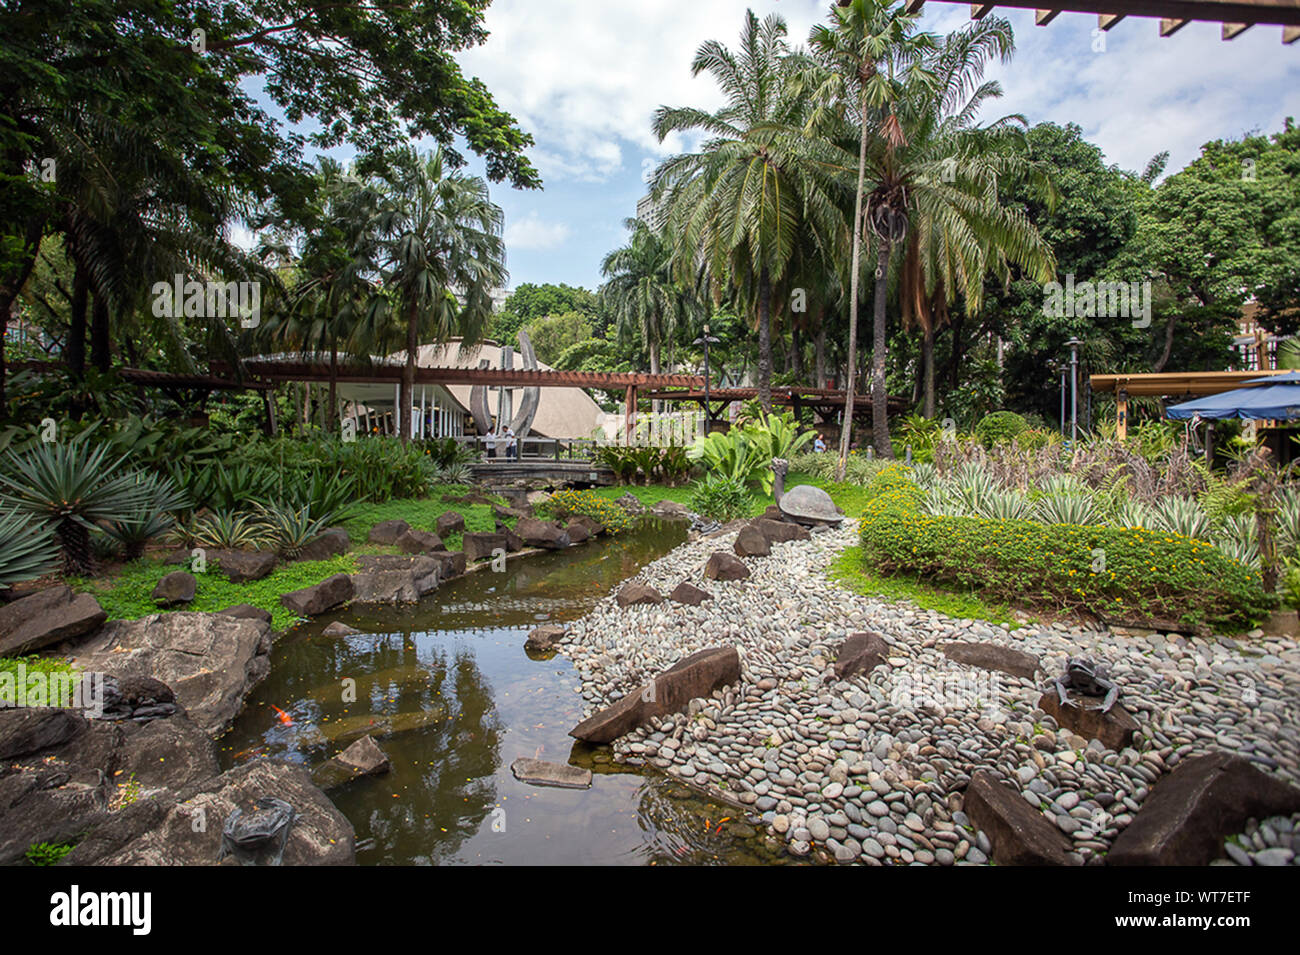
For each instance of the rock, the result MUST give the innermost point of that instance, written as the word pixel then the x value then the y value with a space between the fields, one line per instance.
pixel 210 660
pixel 450 563
pixel 362 758
pixel 1114 729
pixel 338 629
pixel 671 691
pixel 772 513
pixel 514 543
pixel 507 513
pixel 630 503
pixel 482 546
pixel 992 656
pixel 545 637
pixel 1190 812
pixel 539 772
pixel 395 578
pixel 332 543
pixel 172 753
pixel 724 566
pixel 860 653
pixel 578 533
pixel 388 532
pixel 178 587
pixel 636 593
pixel 594 527
pixel 328 594
pixel 162 830
pixel 26 730
pixel 776 531
pixel 138 698
pixel 247 612
pixel 688 593
pixel 535 533
pixel 671 510
pixel 419 542
pixel 242 566
pixel 750 542
pixel 1020 835
pixel 45 618
pixel 450 523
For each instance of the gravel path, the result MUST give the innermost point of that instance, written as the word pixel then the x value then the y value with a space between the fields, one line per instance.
pixel 870 769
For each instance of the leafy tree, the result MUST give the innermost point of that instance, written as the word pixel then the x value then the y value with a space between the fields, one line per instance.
pixel 641 293
pixel 529 302
pixel 553 335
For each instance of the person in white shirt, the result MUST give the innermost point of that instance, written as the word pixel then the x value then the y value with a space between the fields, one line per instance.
pixel 512 451
pixel 490 439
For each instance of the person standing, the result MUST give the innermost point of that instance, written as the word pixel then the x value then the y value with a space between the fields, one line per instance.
pixel 512 449
pixel 490 439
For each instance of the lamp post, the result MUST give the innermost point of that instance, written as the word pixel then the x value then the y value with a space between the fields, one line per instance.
pixel 1074 344
pixel 706 339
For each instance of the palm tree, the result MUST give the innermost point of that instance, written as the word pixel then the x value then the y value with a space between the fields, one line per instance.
pixel 738 205
pixel 640 290
pixel 864 58
pixel 438 251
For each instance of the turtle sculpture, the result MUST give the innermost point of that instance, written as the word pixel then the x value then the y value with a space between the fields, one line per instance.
pixel 1088 679
pixel 803 504
pixel 262 833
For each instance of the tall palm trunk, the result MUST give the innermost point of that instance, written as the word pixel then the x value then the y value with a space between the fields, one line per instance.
pixel 846 429
pixel 99 333
pixel 765 341
pixel 880 413
pixel 407 391
pixel 75 349
pixel 927 360
pixel 655 406
pixel 331 412
pixel 819 349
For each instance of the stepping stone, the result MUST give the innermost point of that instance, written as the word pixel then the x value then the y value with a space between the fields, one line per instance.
pixel 539 772
pixel 724 566
pixel 1020 834
pixel 860 653
pixel 992 656
pixel 545 637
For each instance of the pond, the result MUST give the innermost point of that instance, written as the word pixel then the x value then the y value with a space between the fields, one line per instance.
pixel 453 699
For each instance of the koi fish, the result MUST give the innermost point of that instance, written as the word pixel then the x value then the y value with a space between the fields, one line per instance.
pixel 285 718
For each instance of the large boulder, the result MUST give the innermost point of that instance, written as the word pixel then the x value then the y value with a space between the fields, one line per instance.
pixel 545 637
pixel 594 527
pixel 482 546
pixel 671 510
pixel 248 612
pixel 631 503
pixel 328 594
pixel 1083 715
pixel 860 653
pixel 419 542
pixel 175 588
pixel 1020 834
pixel 993 656
pixel 450 563
pixel 210 660
pixel 45 618
pixel 724 566
pixel 671 691
pixel 332 543
pixel 394 578
pixel 535 533
pixel 450 522
pixel 1190 812
pixel 688 593
pixel 512 513
pixel 362 758
pixel 635 593
pixel 578 533
pixel 163 754
pixel 242 566
pixel 777 531
pixel 166 830
pixel 387 532
pixel 27 730
pixel 750 542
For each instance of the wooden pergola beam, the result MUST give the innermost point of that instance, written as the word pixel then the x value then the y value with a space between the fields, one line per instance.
pixel 1178 384
pixel 978 11
pixel 1233 30
pixel 1254 12
pixel 1290 34
pixel 1169 26
pixel 1107 20
pixel 1043 17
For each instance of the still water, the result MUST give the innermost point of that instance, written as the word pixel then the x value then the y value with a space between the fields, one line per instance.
pixel 448 691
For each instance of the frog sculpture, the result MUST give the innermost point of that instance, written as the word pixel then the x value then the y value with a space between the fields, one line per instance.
pixel 1087 678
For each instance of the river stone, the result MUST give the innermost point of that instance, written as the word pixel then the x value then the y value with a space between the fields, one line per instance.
pixel 339 629
pixel 540 772
pixel 1190 812
pixel 545 637
pixel 162 830
pixel 328 594
pixel 577 532
pixel 482 546
pixel 724 566
pixel 1020 835
pixel 1114 729
pixel 448 523
pixel 688 593
pixel 750 542
pixel 210 660
pixel 537 533
pixel 631 503
pixel 636 593
pixel 178 587
pixel 450 563
pixel 696 676
pixel 594 527
pixel 860 653
pixel 387 532
pixel 419 542
pixel 776 531
pixel 45 618
pixel 992 656
pixel 332 543
pixel 242 566
pixel 362 758
pixel 394 578
pixel 672 510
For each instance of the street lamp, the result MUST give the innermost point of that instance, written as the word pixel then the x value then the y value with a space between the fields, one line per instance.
pixel 706 339
pixel 1073 345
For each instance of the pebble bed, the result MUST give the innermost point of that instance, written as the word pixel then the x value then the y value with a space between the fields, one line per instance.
pixel 871 769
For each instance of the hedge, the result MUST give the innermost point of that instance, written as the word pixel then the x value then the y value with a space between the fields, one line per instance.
pixel 1120 574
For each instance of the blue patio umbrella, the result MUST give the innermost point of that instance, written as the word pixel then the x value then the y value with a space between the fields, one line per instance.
pixel 1276 397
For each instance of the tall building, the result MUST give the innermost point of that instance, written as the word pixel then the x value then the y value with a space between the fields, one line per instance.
pixel 652 213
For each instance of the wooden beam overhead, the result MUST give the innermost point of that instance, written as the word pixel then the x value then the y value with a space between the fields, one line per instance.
pixel 1108 20
pixel 914 6
pixel 1290 34
pixel 1043 17
pixel 1233 30
pixel 978 11
pixel 1169 26
pixel 1280 12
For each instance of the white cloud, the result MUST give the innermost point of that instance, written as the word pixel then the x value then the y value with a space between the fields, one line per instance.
pixel 531 232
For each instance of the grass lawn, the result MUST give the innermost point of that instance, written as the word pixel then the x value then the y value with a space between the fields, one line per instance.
pixel 851 497
pixel 423 514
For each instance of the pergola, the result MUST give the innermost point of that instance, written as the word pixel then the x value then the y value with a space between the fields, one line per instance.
pixel 1176 384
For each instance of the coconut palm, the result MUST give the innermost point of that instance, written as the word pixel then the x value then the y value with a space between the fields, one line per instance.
pixel 640 291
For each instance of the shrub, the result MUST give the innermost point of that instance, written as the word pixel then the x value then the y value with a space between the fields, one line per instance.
pixel 999 427
pixel 1112 573
pixel 721 498
pixel 563 505
pixel 44 853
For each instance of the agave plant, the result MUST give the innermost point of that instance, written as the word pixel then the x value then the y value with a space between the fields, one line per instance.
pixel 71 486
pixel 225 530
pixel 290 529
pixel 1182 515
pixel 456 473
pixel 1065 508
pixel 1004 506
pixel 1239 539
pixel 156 518
pixel 27 550
pixel 1288 521
pixel 1133 514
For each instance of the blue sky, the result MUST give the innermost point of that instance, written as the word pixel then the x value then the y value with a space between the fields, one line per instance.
pixel 584 77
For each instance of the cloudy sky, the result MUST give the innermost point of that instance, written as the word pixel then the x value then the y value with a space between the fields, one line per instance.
pixel 584 77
